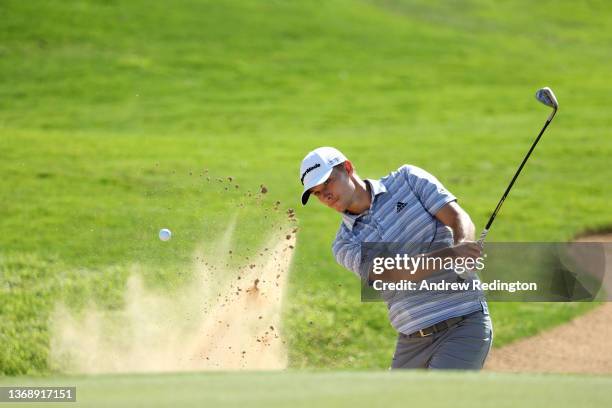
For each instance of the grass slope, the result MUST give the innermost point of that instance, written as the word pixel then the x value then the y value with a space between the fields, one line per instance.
pixel 111 111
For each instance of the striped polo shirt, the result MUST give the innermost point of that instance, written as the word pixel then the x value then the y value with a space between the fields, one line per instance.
pixel 402 210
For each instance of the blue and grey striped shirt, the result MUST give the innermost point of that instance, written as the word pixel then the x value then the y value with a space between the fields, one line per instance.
pixel 403 208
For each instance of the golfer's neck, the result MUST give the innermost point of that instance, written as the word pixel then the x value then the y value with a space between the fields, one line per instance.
pixel 362 199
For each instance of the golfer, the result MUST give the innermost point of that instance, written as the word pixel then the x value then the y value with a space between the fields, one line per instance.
pixel 438 330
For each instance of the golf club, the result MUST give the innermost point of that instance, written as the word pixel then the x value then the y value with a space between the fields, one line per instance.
pixel 547 97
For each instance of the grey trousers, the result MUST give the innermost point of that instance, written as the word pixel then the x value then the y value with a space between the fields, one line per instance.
pixel 464 346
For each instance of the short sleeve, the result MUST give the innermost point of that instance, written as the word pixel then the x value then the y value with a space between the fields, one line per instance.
pixel 347 252
pixel 430 191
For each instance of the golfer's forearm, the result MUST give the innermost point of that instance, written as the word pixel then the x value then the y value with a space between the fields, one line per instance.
pixel 424 270
pixel 458 220
pixel 463 228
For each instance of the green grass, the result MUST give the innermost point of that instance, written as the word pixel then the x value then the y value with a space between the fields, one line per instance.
pixel 332 389
pixel 111 111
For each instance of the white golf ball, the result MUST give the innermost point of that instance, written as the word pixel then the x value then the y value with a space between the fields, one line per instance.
pixel 165 234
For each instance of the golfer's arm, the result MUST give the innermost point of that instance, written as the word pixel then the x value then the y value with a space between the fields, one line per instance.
pixel 458 220
pixel 426 269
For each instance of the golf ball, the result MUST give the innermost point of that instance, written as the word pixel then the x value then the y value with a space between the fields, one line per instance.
pixel 164 234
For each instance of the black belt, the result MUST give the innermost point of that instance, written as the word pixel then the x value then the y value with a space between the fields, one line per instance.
pixel 438 327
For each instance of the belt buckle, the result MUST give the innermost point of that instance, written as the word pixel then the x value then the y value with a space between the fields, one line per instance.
pixel 423 334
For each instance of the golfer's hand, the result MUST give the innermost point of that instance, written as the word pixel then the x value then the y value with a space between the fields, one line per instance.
pixel 468 250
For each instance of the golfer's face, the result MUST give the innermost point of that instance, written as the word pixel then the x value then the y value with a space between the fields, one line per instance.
pixel 335 192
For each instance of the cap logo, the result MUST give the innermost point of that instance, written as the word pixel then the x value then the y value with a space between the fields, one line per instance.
pixel 308 170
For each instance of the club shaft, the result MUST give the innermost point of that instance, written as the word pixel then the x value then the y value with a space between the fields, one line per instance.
pixel 488 226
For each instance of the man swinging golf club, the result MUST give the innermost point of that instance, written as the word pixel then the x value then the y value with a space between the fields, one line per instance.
pixel 409 205
pixel 435 330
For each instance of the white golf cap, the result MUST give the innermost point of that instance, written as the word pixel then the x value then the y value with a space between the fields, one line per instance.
pixel 317 166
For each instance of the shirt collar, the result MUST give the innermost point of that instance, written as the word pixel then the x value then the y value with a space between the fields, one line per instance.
pixel 376 188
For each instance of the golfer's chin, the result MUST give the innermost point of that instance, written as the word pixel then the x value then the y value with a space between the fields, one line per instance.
pixel 338 205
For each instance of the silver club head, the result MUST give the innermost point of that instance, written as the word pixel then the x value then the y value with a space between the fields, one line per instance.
pixel 547 97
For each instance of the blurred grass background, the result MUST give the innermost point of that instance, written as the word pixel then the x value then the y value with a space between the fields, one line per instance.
pixel 111 113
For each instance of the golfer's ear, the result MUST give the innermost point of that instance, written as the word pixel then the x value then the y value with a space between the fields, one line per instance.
pixel 348 166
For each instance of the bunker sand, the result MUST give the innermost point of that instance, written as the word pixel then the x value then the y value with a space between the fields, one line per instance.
pixel 583 345
pixel 225 319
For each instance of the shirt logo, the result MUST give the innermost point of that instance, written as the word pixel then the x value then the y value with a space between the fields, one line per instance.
pixel 399 206
pixel 308 170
